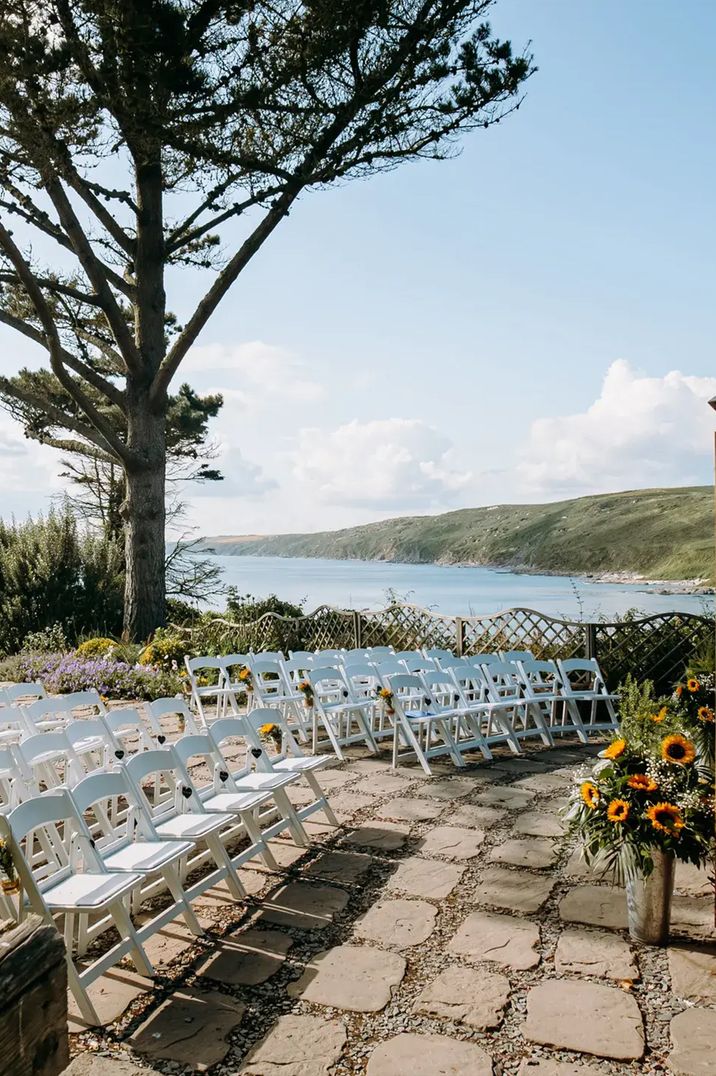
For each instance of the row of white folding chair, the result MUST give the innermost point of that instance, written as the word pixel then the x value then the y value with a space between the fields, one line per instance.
pixel 165 820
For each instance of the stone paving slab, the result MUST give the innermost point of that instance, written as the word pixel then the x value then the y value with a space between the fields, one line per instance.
pixel 218 898
pixel 453 842
pixel 468 814
pixel 344 805
pixel 384 784
pixel 331 779
pixel 286 854
pixel 359 978
pixel 247 958
pixel 587 1017
pixel 502 939
pixel 173 939
pixel 346 867
pixel 595 906
pixel 410 810
pixel 538 824
pixel 516 890
pixel 544 782
pixel 99 1065
pixel 693 972
pixel 520 766
pixel 577 869
pixel 384 836
pixel 449 789
pixel 514 799
pixel 466 996
pixel 304 906
pixel 692 881
pixel 297 1046
pixel 693 1035
pixel 693 917
pixel 428 1055
pixel 592 952
pixel 397 923
pixel 535 852
pixel 191 1027
pixel 111 994
pixel 429 878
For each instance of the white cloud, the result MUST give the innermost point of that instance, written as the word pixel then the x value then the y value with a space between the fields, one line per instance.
pixel 242 478
pixel 641 431
pixel 262 370
pixel 391 464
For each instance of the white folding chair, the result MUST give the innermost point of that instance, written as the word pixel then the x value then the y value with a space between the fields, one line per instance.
pixel 290 761
pixel 583 682
pixel 364 684
pixel 374 652
pixel 72 881
pixel 344 719
pixel 48 759
pixel 484 717
pixel 418 663
pixel 327 657
pixel 516 655
pixel 222 796
pixel 505 691
pixel 22 694
pixel 181 816
pixel 419 723
pixel 231 666
pixel 542 685
pixel 273 688
pixel 130 730
pixel 171 707
pixel 209 667
pixel 14 725
pixel 439 656
pixel 55 713
pixel 465 725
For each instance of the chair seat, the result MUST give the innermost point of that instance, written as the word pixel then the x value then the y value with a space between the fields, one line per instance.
pixel 89 891
pixel 301 764
pixel 146 856
pixel 264 782
pixel 193 826
pixel 342 707
pixel 235 801
pixel 90 743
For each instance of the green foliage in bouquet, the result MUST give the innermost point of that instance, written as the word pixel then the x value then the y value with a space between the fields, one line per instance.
pixel 651 789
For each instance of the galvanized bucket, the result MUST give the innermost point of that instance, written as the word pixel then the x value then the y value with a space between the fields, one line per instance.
pixel 649 902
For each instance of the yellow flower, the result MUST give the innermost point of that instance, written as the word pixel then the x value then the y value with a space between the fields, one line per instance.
pixel 642 782
pixel 615 749
pixel 665 817
pixel 677 749
pixel 245 674
pixel 590 794
pixel 692 684
pixel 679 690
pixel 661 716
pixel 618 811
pixel 385 693
pixel 267 730
pixel 705 713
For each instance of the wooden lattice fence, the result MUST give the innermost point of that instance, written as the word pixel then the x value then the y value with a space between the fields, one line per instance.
pixel 655 647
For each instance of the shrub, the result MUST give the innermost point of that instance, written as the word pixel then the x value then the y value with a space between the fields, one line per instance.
pixel 96 648
pixel 166 650
pixel 62 673
pixel 46 641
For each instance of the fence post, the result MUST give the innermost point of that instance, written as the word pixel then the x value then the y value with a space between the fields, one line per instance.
pixel 459 636
pixel 357 630
pixel 590 640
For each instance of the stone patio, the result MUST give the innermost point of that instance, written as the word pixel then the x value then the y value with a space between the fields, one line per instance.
pixel 444 929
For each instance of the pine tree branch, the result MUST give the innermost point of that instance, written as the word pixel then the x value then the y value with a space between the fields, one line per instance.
pixel 109 439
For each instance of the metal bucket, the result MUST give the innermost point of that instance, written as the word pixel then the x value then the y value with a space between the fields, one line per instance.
pixel 649 902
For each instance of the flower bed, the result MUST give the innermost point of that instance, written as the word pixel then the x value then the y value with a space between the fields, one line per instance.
pixel 63 673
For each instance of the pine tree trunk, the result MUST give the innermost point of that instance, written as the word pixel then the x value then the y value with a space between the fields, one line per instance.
pixel 144 514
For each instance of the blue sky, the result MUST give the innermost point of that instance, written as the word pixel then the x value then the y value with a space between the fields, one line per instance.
pixel 531 320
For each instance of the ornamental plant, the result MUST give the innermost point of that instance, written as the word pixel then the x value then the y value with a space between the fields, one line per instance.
pixel 651 790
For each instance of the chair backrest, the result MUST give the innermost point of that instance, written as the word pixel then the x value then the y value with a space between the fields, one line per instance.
pixel 356 654
pixel 202 747
pixel 89 729
pixel 231 664
pixel 484 659
pixel 42 745
pixel 93 796
pixel 296 668
pixel 174 707
pixel 581 669
pixel 15 719
pixel 22 694
pixel 161 762
pixel 380 651
pixel 328 683
pixel 439 655
pixel 128 720
pixel 327 656
pixel 516 655
pixel 418 663
pixel 501 679
pixel 389 667
pixel 254 721
pixel 43 815
pixel 268 655
pixel 441 686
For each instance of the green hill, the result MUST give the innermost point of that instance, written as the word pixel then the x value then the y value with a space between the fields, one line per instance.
pixel 657 533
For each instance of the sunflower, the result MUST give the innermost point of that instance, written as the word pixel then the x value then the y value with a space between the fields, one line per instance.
pixel 618 811
pixel 642 782
pixel 661 716
pixel 705 714
pixel 590 794
pixel 677 749
pixel 615 749
pixel 665 817
pixel 692 684
pixel 268 730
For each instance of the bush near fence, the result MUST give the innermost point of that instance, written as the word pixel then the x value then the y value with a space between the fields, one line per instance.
pixel 655 647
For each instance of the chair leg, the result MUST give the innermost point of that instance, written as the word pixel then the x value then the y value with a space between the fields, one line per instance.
pixel 318 792
pixel 256 838
pixel 126 930
pixel 171 877
pixel 223 861
pixel 287 812
pixel 87 1009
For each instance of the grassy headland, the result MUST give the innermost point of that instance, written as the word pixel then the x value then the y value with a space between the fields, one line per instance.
pixel 656 533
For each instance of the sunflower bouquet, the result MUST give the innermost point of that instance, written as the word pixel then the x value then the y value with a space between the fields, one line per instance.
pixel 8 880
pixel 694 700
pixel 271 733
pixel 306 689
pixel 385 695
pixel 245 678
pixel 647 792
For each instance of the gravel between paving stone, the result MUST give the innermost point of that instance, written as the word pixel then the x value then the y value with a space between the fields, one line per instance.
pixel 266 1002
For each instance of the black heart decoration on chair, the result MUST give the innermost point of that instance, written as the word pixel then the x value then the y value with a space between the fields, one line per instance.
pixel 345 694
pixel 186 792
pixel 119 755
pixel 161 739
pixel 256 752
pixel 223 776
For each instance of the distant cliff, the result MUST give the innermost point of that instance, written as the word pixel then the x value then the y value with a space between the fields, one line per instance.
pixel 656 533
